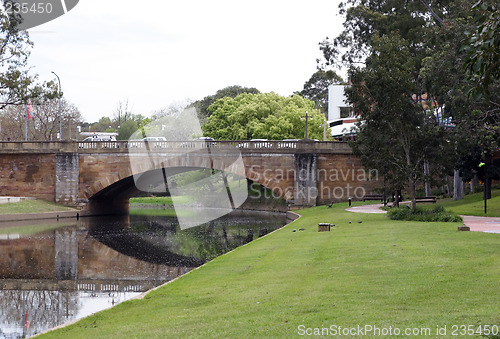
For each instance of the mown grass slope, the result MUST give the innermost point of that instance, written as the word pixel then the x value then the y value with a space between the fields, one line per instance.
pixel 371 271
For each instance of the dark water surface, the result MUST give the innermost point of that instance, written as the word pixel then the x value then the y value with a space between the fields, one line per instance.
pixel 52 272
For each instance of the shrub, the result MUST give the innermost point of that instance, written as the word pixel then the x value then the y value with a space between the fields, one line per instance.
pixel 435 214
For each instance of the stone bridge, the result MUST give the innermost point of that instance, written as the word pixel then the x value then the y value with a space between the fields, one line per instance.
pixel 101 174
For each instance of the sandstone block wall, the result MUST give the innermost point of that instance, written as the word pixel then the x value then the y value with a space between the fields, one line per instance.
pixel 28 175
pixel 342 176
pixel 69 177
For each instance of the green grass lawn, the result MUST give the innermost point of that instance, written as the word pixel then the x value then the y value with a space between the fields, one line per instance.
pixel 161 201
pixel 473 204
pixel 32 206
pixel 379 272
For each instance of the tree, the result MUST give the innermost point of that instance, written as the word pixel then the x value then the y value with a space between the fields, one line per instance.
pixel 127 129
pixel 482 64
pixel 435 32
pixel 483 49
pixel 365 19
pixel 122 113
pixel 396 135
pixel 462 73
pixel 103 125
pixel 16 84
pixel 44 124
pixel 316 88
pixel 263 115
pixel 231 91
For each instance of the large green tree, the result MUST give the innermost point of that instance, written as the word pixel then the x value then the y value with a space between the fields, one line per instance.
pixel 483 49
pixel 461 74
pixel 482 63
pixel 434 32
pixel 17 85
pixel 230 91
pixel 263 115
pixel 365 19
pixel 396 135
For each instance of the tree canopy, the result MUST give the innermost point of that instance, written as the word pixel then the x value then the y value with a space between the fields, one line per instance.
pixel 263 116
pixel 396 135
pixel 316 88
pixel 230 91
pixel 483 48
pixel 409 83
pixel 17 85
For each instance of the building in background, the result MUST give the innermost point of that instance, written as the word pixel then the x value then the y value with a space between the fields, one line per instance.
pixel 341 118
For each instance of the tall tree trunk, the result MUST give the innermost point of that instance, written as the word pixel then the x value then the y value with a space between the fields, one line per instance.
pixel 396 198
pixel 458 187
pixel 448 191
pixel 413 194
pixel 474 183
pixel 427 180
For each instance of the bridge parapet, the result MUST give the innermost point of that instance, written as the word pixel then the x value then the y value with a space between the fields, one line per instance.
pixel 244 146
pixel 38 147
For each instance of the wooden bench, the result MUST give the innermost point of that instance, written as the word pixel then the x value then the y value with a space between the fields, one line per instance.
pixel 373 197
pixel 426 199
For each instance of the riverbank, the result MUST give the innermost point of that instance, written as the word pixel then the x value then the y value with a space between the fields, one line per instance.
pixel 25 209
pixel 265 202
pixel 367 271
pixel 30 205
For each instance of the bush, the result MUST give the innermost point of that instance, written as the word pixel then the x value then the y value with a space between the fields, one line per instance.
pixel 436 214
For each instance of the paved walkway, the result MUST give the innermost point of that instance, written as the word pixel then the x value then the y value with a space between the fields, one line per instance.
pixel 482 224
pixel 477 224
pixel 372 208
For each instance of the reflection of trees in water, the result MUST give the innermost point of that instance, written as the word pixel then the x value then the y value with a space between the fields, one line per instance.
pixel 209 240
pixel 49 308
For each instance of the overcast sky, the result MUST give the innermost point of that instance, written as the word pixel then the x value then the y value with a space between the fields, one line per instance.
pixel 157 53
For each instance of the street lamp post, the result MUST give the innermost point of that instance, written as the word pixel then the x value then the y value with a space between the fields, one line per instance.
pixel 325 123
pixel 59 91
pixel 307 117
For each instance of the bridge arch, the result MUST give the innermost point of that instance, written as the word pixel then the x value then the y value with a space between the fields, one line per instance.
pixel 111 194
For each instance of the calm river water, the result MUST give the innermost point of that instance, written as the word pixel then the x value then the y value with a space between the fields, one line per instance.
pixel 52 272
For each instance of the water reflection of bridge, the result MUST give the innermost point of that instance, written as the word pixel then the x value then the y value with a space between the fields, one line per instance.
pixel 86 285
pixel 70 254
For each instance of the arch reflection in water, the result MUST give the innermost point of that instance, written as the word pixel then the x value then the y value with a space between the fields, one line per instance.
pixel 56 271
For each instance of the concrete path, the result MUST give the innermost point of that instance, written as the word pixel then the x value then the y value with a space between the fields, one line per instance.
pixel 372 208
pixel 482 224
pixel 477 224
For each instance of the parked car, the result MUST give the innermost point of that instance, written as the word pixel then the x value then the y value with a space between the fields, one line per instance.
pixel 154 139
pixel 205 139
pixel 110 138
pixel 209 141
pixel 261 143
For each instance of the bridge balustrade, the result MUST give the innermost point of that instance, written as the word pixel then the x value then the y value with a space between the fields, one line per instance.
pixel 162 146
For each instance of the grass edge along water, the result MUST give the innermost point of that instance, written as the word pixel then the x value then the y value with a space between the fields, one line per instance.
pixel 367 271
